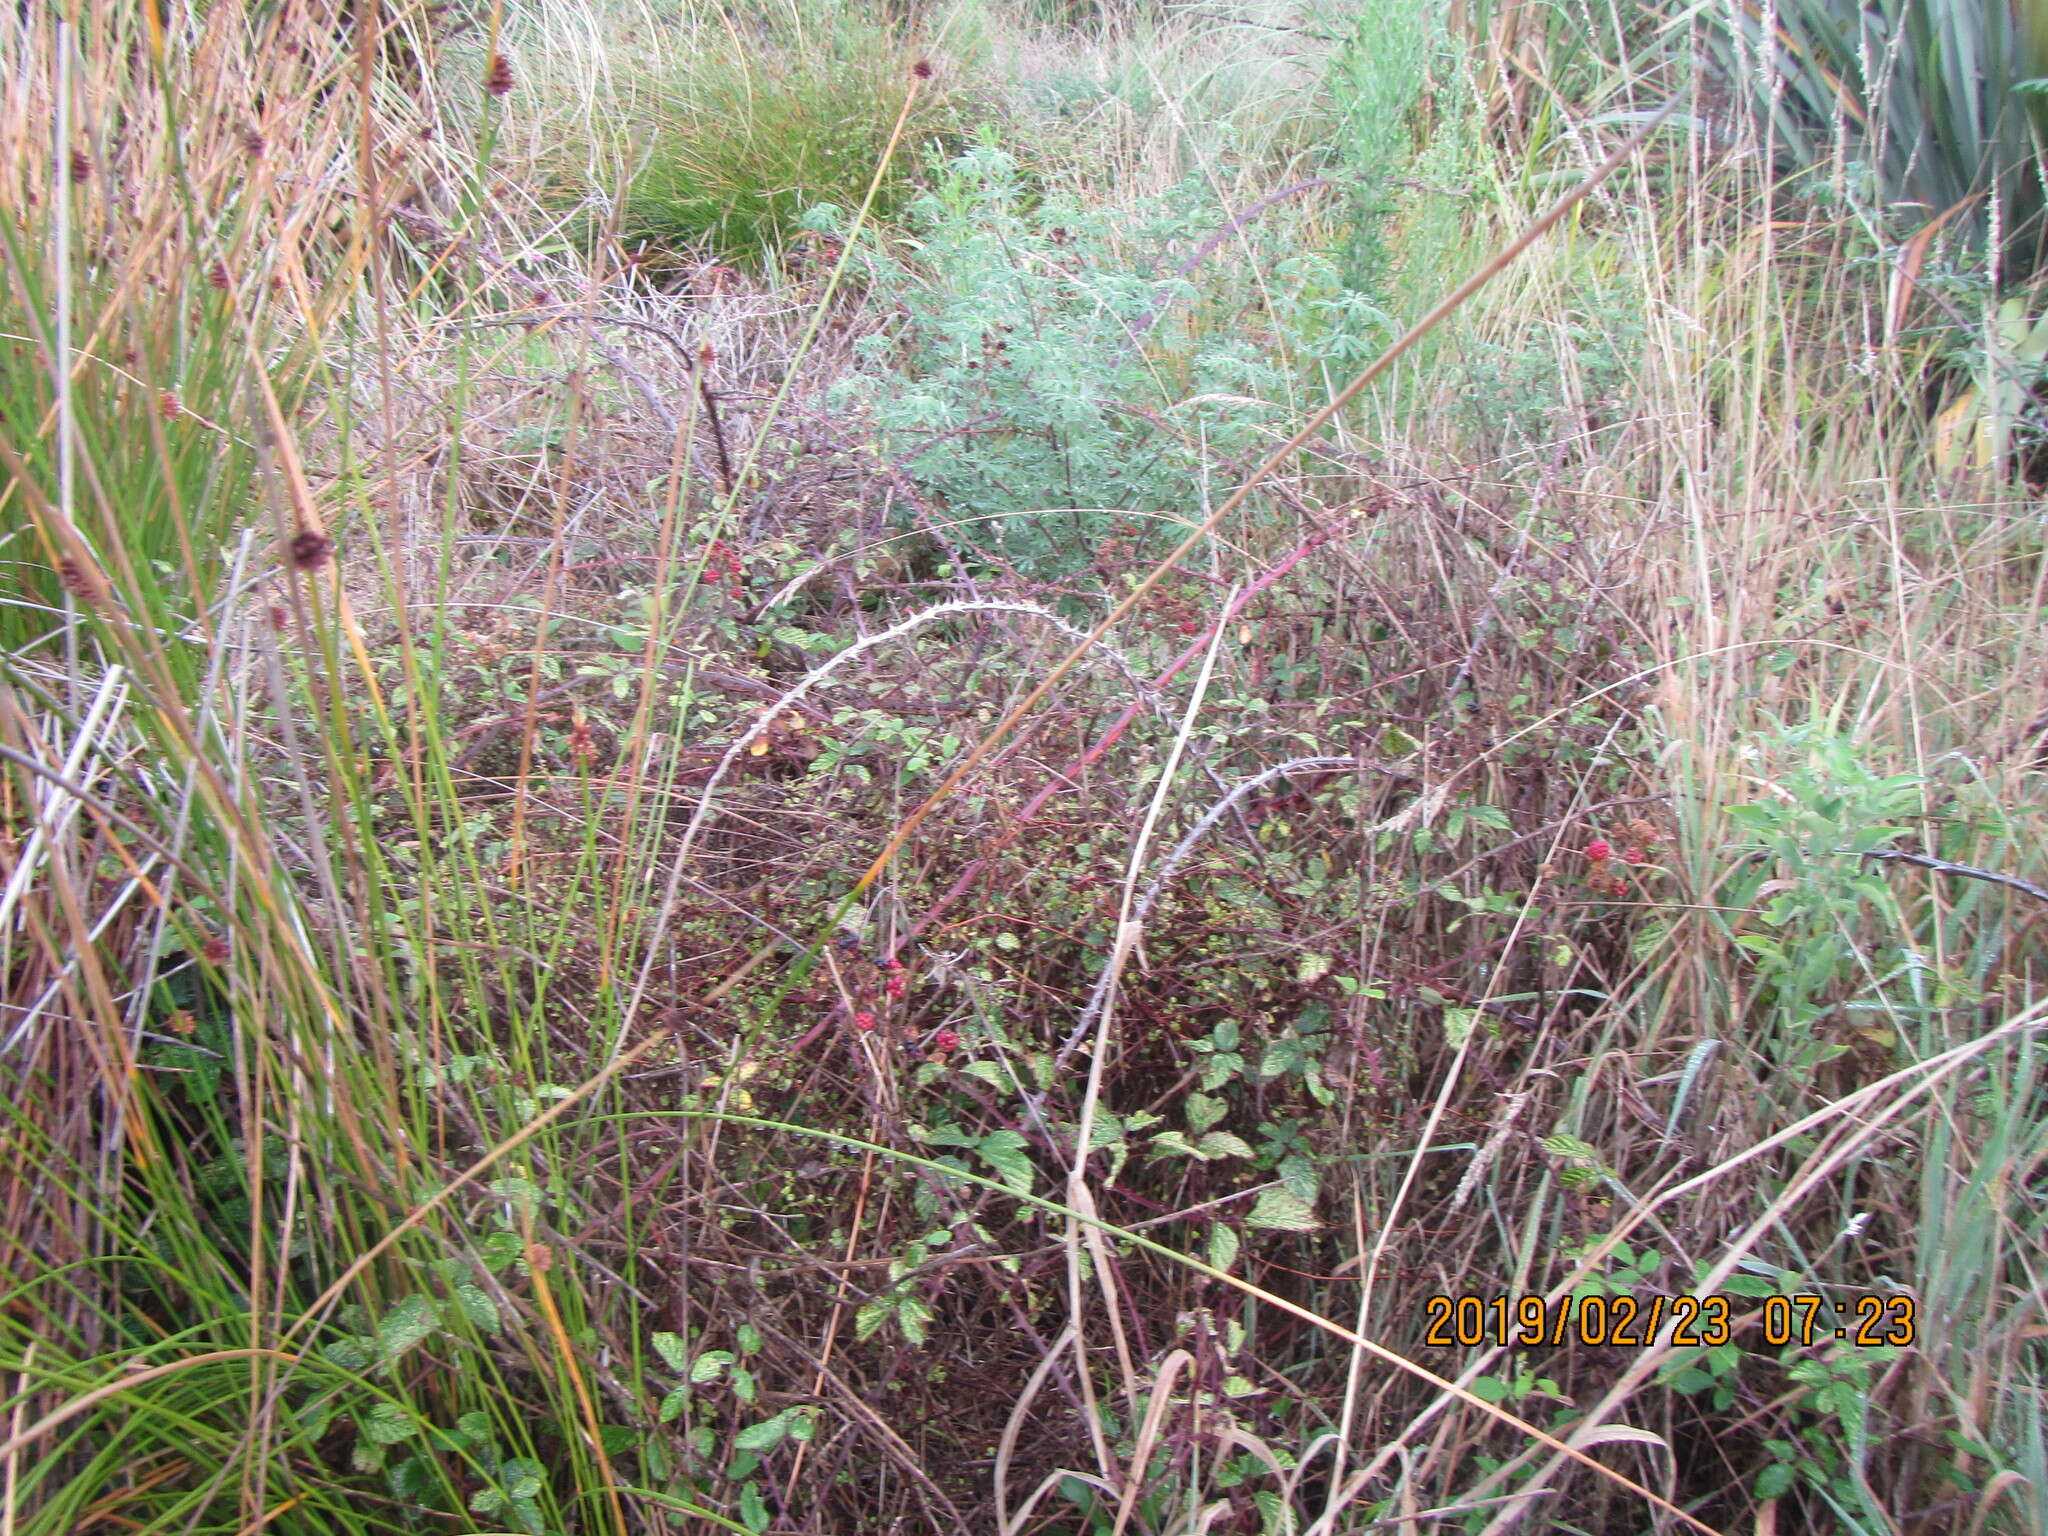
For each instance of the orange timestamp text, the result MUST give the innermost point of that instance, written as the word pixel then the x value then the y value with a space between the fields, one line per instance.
pixel 1638 1321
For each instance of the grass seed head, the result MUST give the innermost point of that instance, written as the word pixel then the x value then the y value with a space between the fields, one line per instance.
pixel 310 549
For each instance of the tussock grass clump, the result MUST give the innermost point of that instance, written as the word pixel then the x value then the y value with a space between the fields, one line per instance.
pixel 723 131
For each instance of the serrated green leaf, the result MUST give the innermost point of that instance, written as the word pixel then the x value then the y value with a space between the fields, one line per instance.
pixel 478 1307
pixel 674 1403
pixel 710 1365
pixel 314 1417
pixel 1312 968
pixel 1282 1210
pixel 675 1354
pixel 1204 1111
pixel 764 1436
pixel 1279 1057
pixel 398 1330
pixel 1173 1144
pixel 913 1313
pixel 748 1337
pixel 386 1424
pixel 1003 1150
pixel 870 1318
pixel 1223 1246
pixel 1224 1144
pixel 1774 1482
pixel 753 1509
pixel 348 1353
pixel 1458 1024
pixel 743 1386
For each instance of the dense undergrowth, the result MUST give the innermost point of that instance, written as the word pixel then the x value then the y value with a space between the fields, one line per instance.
pixel 558 953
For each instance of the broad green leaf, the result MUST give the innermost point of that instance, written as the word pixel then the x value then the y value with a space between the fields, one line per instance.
pixel 1284 1211
pixel 674 1353
pixel 404 1326
pixel 387 1424
pixel 913 1313
pixel 1223 1246
pixel 1003 1150
pixel 870 1318
pixel 478 1307
pixel 753 1509
pixel 1224 1144
pixel 673 1404
pixel 710 1365
pixel 764 1436
pixel 348 1353
pixel 1458 1024
pixel 1173 1144
pixel 1204 1111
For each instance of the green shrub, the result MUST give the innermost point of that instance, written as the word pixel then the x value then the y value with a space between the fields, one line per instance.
pixel 1042 383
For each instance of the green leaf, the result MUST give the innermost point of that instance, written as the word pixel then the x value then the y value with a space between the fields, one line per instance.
pixel 1223 1246
pixel 710 1365
pixel 1775 1481
pixel 869 1319
pixel 1003 1150
pixel 674 1353
pixel 913 1313
pixel 674 1403
pixel 1312 968
pixel 386 1424
pixel 753 1510
pixel 348 1353
pixel 478 1307
pixel 403 1327
pixel 1283 1210
pixel 749 1338
pixel 1458 1024
pixel 1224 1144
pixel 1204 1111
pixel 764 1436
pixel 1173 1144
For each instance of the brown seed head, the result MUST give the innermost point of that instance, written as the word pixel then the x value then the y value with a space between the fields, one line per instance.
pixel 922 69
pixel 705 356
pixel 311 550
pixel 498 79
pixel 167 405
pixel 76 579
pixel 81 165
pixel 252 142
pixel 217 275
